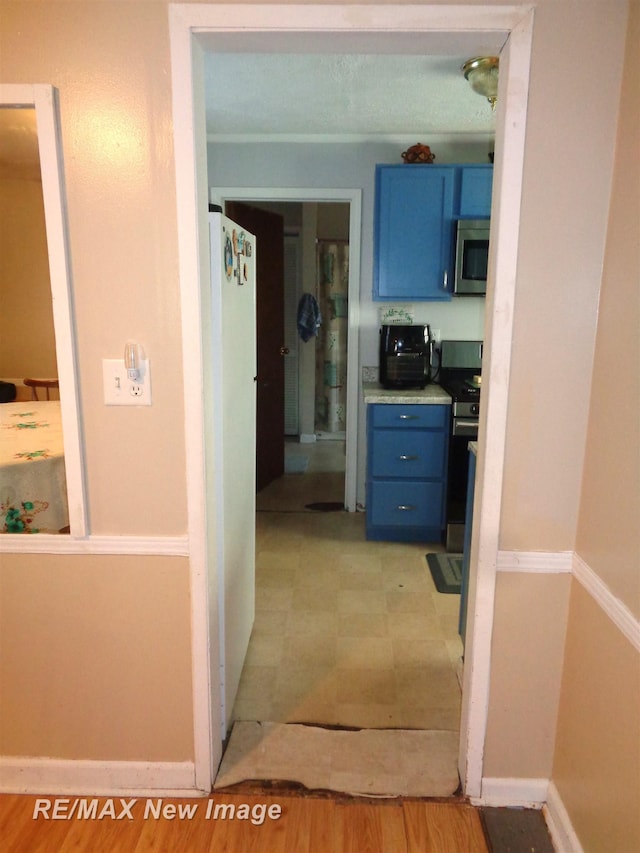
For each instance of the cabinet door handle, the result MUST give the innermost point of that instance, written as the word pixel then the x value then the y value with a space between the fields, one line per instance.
pixel 406 458
pixel 405 507
pixel 408 417
pixel 445 280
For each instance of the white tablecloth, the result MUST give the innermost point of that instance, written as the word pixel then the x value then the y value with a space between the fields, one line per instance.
pixel 33 485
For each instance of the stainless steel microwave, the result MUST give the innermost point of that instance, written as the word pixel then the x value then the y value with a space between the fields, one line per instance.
pixel 472 255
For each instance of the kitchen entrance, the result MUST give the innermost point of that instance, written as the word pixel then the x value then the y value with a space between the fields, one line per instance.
pixel 194 30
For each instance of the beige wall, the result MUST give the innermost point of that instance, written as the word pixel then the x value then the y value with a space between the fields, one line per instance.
pixel 597 760
pixel 110 62
pixel 608 531
pixel 27 341
pixel 95 663
pixel 96 650
pixel 528 638
pixel 571 132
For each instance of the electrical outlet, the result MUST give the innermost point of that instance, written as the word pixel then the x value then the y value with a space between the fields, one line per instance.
pixel 119 390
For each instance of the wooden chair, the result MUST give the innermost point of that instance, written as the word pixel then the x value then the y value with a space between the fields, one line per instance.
pixel 45 384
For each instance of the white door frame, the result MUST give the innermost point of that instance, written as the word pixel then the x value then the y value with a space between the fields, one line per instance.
pixel 188 24
pixel 353 197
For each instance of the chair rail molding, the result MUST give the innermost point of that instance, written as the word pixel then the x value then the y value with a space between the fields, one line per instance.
pixel 43 543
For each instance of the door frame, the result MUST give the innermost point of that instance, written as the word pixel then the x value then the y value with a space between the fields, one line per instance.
pixel 353 197
pixel 189 25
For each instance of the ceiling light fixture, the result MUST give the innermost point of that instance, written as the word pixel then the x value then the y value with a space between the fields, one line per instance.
pixel 482 74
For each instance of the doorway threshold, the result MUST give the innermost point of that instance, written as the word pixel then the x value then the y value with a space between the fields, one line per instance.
pixel 364 762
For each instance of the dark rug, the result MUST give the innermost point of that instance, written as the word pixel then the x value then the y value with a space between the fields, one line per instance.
pixel 516 830
pixel 446 571
pixel 326 506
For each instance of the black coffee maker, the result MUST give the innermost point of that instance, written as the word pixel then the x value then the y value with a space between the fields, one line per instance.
pixel 405 356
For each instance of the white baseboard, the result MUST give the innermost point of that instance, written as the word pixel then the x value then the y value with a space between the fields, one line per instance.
pixel 522 793
pixel 559 824
pixel 55 776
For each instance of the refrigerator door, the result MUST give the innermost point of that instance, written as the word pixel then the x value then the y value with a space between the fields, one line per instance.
pixel 233 469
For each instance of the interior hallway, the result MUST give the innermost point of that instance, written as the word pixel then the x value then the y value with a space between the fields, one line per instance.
pixel 347 632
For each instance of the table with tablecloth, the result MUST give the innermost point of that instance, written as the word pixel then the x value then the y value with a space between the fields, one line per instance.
pixel 33 485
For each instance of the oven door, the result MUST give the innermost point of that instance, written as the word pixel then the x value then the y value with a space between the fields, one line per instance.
pixel 463 430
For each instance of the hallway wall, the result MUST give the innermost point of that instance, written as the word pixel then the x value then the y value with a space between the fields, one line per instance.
pixel 597 759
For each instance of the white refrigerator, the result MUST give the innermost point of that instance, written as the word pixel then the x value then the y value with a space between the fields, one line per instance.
pixel 233 467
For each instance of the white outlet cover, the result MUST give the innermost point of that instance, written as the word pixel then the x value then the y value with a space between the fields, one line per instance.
pixel 119 390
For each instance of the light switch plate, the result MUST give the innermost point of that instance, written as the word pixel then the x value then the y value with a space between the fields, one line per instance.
pixel 119 390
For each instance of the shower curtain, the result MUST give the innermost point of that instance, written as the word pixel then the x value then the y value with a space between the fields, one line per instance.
pixel 332 284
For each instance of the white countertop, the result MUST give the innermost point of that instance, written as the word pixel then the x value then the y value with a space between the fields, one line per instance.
pixel 433 394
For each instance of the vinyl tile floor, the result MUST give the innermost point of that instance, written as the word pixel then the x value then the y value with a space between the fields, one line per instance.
pixel 347 632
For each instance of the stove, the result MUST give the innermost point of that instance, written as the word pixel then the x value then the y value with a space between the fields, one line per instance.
pixel 460 376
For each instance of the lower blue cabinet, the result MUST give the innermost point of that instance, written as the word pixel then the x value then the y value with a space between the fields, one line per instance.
pixel 406 471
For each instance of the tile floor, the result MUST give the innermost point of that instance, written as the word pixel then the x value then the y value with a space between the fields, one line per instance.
pixel 347 632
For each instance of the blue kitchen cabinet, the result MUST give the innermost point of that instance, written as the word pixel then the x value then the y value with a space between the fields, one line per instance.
pixel 475 185
pixel 413 232
pixel 406 471
pixel 466 550
pixel 416 209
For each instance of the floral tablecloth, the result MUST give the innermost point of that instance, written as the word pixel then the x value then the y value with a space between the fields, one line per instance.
pixel 33 486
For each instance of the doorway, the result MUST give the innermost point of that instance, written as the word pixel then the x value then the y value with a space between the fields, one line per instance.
pixel 321 206
pixel 393 24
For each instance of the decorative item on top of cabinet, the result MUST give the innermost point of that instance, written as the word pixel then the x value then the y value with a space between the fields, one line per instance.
pixel 406 471
pixel 418 153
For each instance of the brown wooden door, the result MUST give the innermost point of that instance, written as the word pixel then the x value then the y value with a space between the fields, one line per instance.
pixel 268 229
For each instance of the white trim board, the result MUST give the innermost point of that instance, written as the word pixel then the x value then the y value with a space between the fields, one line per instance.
pixel 537 794
pixel 42 543
pixel 568 562
pixel 561 830
pixel 512 793
pixel 615 609
pixel 97 778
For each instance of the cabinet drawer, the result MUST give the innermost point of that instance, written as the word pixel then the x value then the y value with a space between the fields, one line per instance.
pixel 409 416
pixel 405 504
pixel 407 453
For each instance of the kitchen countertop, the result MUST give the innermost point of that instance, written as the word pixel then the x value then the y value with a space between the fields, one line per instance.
pixel 433 394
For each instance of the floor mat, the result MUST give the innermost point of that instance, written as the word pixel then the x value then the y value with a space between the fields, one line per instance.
pixel 326 506
pixel 370 762
pixel 516 830
pixel 446 571
pixel 296 464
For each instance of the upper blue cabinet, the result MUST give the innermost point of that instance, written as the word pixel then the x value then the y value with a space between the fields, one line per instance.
pixel 413 216
pixel 416 207
pixel 475 183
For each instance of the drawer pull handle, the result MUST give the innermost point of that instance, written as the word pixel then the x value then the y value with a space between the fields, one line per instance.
pixel 407 458
pixel 405 507
pixel 408 417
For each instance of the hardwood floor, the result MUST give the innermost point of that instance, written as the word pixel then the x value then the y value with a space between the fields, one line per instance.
pixel 307 824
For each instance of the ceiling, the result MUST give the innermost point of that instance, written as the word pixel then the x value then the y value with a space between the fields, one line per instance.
pixel 345 95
